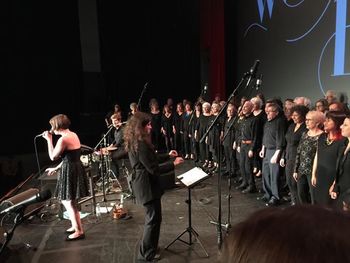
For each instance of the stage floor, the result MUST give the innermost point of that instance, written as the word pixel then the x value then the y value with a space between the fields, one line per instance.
pixel 42 239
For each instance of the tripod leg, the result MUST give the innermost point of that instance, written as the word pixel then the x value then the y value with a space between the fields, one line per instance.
pixel 178 238
pixel 199 241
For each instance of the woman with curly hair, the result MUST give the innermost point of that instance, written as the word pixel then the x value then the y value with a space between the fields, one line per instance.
pixel 145 180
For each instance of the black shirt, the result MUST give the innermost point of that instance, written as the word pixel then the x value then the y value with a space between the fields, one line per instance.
pixel 274 133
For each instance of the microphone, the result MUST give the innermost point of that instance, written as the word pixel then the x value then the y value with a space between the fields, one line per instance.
pixel 24 200
pixel 42 134
pixel 146 84
pixel 205 88
pixel 258 82
pixel 252 71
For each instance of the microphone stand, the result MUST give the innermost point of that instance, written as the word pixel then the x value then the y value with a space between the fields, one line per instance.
pixel 141 95
pixel 8 234
pixel 103 171
pixel 215 122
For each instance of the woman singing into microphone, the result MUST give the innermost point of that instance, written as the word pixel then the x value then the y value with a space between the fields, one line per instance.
pixel 71 182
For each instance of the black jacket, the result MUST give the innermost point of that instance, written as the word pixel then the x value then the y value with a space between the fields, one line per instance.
pixel 147 167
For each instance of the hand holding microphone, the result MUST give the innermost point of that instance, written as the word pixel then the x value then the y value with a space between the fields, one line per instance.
pixel 46 134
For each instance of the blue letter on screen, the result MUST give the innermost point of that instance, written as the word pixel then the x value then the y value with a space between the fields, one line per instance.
pixel 340 38
pixel 261 7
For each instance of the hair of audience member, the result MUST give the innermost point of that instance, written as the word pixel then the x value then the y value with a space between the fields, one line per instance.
pixel 257 101
pixel 303 101
pixel 261 96
pixel 343 97
pixel 338 106
pixel 206 105
pixel 199 105
pixel 336 116
pixel 331 94
pixel 289 99
pixel 276 101
pixel 317 117
pixel 323 101
pixel 309 234
pixel 301 110
pixel 152 102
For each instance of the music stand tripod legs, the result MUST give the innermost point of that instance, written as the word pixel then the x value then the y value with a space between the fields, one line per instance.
pixel 191 232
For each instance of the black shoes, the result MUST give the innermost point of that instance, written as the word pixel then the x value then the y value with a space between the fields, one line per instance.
pixel 273 202
pixel 250 190
pixel 82 236
pixel 263 198
pixel 241 186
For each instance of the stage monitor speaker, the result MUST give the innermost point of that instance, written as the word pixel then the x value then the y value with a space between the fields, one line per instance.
pixel 25 195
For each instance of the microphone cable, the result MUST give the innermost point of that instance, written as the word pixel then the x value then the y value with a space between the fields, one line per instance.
pixel 37 155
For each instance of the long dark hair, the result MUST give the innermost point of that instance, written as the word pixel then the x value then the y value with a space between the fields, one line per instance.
pixel 134 131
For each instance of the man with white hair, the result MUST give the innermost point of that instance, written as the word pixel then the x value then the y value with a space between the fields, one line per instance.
pixel 302 101
pixel 330 96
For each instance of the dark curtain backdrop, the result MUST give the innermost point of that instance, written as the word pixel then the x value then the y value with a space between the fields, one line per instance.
pixel 151 41
pixel 212 36
pixel 42 69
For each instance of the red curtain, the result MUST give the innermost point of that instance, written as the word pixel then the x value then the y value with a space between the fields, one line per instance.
pixel 213 40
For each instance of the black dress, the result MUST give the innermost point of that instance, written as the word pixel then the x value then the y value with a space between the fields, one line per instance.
pixel 72 181
pixel 342 181
pixel 327 156
pixel 292 138
pixel 156 133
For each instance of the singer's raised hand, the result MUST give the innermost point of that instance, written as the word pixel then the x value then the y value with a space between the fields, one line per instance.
pixel 47 135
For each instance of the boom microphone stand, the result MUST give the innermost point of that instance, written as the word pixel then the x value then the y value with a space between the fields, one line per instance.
pixel 143 91
pixel 250 75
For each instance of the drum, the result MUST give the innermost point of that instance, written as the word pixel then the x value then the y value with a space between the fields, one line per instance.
pixel 98 156
pixel 85 160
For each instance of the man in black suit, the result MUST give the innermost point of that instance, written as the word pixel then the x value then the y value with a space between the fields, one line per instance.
pixel 147 167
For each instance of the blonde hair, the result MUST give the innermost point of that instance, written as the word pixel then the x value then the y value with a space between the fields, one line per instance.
pixel 316 116
pixel 59 121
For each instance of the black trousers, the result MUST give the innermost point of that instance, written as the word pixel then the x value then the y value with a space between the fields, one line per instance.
pixel 246 166
pixel 150 238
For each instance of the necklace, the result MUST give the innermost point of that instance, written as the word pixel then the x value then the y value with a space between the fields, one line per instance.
pixel 329 141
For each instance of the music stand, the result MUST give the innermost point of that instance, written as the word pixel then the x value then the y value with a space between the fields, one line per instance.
pixel 190 179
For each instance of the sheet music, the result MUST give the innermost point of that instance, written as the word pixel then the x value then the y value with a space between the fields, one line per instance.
pixel 193 176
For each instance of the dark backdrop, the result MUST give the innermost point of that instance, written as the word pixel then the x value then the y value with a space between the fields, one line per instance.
pixel 295 41
pixel 49 67
pixel 143 41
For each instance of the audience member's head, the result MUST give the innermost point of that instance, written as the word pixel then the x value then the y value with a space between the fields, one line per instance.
pixel 336 119
pixel 257 102
pixel 261 96
pixel 315 119
pixel 330 96
pixel 298 113
pixel 133 108
pixel 338 106
pixel 309 234
pixel 321 105
pixel 303 101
